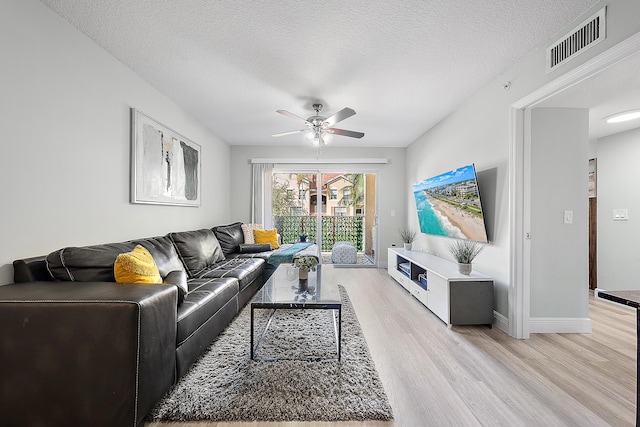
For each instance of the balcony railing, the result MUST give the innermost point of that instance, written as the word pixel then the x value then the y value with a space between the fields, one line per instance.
pixel 334 229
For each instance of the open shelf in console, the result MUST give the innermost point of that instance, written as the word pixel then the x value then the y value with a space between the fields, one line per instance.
pixel 416 273
pixel 404 266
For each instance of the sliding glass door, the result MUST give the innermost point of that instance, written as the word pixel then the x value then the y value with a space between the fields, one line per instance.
pixel 336 210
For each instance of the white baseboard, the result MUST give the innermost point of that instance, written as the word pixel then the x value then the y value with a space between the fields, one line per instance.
pixel 501 322
pixel 559 325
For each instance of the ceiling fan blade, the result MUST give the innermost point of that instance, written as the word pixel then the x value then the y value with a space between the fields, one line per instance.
pixel 293 116
pixel 345 113
pixel 293 132
pixel 350 133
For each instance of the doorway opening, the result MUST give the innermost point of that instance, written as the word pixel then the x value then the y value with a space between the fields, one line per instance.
pixel 520 169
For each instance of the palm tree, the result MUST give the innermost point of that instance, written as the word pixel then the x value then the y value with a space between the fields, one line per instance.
pixel 357 190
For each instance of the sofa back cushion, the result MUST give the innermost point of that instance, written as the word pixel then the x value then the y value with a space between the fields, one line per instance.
pixel 87 263
pixel 95 263
pixel 163 253
pixel 197 249
pixel 230 237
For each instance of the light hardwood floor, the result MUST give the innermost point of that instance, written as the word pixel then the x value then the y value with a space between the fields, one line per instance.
pixel 477 376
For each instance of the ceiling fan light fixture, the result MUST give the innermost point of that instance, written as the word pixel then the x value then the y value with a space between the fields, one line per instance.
pixel 309 134
pixel 320 129
pixel 624 116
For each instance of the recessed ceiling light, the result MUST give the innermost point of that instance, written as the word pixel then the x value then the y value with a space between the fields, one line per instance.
pixel 623 117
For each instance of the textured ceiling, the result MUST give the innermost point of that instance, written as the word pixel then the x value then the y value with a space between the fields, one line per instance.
pixel 402 65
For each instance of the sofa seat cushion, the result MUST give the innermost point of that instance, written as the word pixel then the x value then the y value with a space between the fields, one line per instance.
pixel 246 270
pixel 230 237
pixel 205 298
pixel 198 249
pixel 257 255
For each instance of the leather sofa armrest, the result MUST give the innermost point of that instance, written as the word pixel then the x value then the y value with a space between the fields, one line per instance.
pixel 93 353
pixel 178 278
pixel 31 269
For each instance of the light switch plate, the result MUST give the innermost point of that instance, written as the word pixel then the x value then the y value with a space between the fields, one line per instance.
pixel 568 217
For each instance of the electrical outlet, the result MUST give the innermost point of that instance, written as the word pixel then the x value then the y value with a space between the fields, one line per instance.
pixel 620 214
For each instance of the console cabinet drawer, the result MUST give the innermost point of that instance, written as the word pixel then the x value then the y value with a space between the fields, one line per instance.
pixel 438 296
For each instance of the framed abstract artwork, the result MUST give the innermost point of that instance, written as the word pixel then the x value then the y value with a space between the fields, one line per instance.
pixel 165 166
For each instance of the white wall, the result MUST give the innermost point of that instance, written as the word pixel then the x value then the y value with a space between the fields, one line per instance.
pixel 64 108
pixel 559 251
pixel 479 132
pixel 482 142
pixel 617 180
pixel 390 182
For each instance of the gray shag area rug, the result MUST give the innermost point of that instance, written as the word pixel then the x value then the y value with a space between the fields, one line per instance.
pixel 225 385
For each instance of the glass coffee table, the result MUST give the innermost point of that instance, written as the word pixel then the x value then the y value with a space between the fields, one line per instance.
pixel 283 290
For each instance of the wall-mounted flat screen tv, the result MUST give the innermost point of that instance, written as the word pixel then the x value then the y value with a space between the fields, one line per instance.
pixel 449 205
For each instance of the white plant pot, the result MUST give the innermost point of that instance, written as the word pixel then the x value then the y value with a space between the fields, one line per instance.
pixel 303 274
pixel 408 246
pixel 464 268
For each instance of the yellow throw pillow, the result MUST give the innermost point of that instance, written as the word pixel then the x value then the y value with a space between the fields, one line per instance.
pixel 136 266
pixel 267 236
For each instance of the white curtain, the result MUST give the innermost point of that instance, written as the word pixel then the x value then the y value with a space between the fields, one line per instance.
pixel 261 194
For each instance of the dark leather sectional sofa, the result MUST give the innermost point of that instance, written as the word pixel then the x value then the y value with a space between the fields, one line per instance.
pixel 76 348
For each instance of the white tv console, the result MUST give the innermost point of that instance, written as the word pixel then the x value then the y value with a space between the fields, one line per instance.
pixel 455 298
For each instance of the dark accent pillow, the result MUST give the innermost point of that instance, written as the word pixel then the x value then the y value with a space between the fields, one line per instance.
pixel 197 249
pixel 230 237
pixel 249 248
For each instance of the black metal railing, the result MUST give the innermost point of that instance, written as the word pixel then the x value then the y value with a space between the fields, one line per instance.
pixel 334 229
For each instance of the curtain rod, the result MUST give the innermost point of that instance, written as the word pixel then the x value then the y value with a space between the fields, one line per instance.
pixel 323 161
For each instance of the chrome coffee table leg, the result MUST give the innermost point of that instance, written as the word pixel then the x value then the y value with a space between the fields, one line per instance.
pixel 266 328
pixel 337 329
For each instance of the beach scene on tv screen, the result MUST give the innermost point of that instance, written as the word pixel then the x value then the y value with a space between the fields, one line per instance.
pixel 449 205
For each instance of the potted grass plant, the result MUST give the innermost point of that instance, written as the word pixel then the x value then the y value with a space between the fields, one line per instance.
pixel 407 235
pixel 464 252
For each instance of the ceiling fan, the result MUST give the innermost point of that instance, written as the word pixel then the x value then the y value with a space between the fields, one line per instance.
pixel 320 128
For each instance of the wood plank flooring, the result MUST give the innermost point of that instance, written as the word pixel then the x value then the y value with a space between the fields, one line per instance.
pixel 477 376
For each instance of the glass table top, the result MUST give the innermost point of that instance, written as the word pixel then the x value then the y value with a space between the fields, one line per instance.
pixel 284 289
